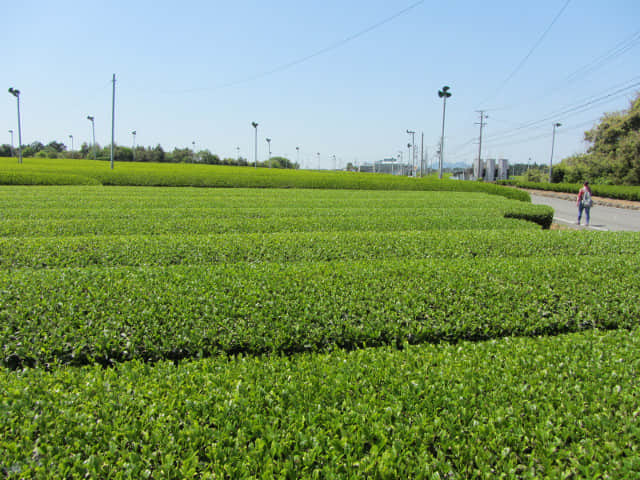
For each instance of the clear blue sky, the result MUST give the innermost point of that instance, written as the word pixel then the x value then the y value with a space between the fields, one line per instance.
pixel 198 71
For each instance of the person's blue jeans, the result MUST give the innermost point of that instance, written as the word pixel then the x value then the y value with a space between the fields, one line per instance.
pixel 587 212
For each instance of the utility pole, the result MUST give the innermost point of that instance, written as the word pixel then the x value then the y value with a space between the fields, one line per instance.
pixel 444 94
pixel 12 152
pixel 113 116
pixel 269 144
pixel 553 141
pixel 422 155
pixel 413 149
pixel 16 93
pixel 482 124
pixel 93 130
pixel 255 127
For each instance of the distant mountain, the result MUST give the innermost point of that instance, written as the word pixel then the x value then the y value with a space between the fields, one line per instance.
pixel 457 165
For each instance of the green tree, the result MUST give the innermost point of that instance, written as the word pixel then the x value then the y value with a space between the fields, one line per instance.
pixel 5 150
pixel 205 156
pixel 56 146
pixel 614 152
pixel 280 162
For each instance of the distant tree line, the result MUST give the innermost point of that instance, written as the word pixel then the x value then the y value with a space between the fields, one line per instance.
pixel 139 154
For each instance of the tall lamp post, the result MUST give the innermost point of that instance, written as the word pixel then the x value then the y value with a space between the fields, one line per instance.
pixel 269 147
pixel 413 149
pixel 553 141
pixel 255 127
pixel 93 129
pixel 16 93
pixel 444 94
pixel 318 160
pixel 133 149
pixel 298 156
pixel 71 137
pixel 12 152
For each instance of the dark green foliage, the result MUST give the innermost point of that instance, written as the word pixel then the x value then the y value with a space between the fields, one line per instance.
pixel 614 154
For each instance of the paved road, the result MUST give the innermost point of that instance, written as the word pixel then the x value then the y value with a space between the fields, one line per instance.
pixel 602 218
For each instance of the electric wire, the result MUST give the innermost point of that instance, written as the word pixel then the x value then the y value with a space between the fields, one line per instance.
pixel 620 49
pixel 584 105
pixel 526 57
pixel 298 61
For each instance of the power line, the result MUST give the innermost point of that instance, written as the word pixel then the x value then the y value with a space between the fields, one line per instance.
pixel 584 105
pixel 620 49
pixel 293 63
pixel 526 57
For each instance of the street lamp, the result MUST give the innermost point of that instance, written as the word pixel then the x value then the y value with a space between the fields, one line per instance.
pixel 413 148
pixel 298 156
pixel 318 160
pixel 133 149
pixel 444 94
pixel 238 149
pixel 93 129
pixel 16 93
pixel 71 137
pixel 553 141
pixel 193 143
pixel 255 127
pixel 269 158
pixel 12 152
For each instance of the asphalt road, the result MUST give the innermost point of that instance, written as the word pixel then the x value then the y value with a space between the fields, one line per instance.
pixel 603 218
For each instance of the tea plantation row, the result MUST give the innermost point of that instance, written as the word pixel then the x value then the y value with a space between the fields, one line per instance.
pixel 110 211
pixel 243 354
pixel 82 315
pixel 548 407
pixel 189 249
pixel 35 171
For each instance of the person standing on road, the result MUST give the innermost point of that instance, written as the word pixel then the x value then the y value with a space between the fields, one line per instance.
pixel 584 202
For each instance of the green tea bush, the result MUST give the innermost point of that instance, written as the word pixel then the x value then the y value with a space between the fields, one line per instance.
pixel 546 407
pixel 218 176
pixel 107 315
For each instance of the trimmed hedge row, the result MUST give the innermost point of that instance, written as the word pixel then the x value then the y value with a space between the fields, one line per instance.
pixel 183 249
pixel 182 175
pixel 560 407
pixel 622 192
pixel 106 315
